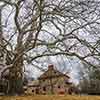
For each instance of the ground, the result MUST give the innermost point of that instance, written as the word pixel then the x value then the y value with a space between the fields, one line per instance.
pixel 50 97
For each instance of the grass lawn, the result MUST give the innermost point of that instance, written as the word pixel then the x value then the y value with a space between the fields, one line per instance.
pixel 50 97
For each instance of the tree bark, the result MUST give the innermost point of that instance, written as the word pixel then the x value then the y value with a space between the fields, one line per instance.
pixel 16 73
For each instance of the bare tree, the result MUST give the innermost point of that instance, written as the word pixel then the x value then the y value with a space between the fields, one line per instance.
pixel 35 29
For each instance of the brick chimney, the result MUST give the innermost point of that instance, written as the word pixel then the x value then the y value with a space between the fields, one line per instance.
pixel 50 67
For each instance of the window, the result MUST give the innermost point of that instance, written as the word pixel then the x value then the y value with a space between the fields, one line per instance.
pixel 25 89
pixel 43 80
pixel 59 86
pixel 55 72
pixel 44 88
pixel 37 91
pixel 32 90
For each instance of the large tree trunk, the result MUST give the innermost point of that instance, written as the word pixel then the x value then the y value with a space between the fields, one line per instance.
pixel 16 73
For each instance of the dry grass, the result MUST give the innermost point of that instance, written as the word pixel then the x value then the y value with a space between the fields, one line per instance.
pixel 50 97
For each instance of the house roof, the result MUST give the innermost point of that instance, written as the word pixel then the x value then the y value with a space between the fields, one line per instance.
pixel 52 73
pixel 33 83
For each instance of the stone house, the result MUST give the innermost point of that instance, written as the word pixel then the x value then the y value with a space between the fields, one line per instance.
pixel 51 81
